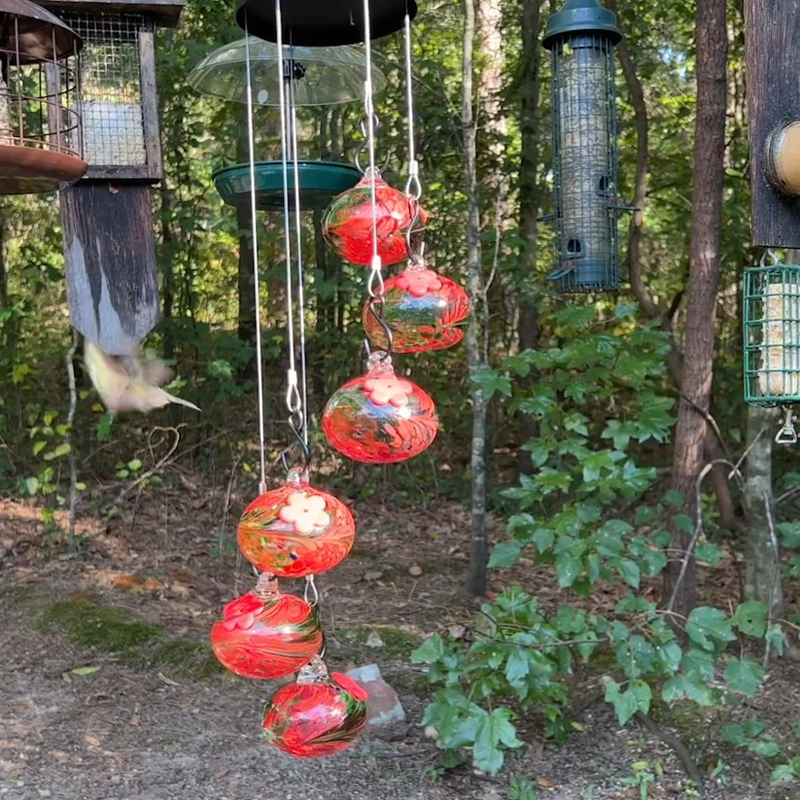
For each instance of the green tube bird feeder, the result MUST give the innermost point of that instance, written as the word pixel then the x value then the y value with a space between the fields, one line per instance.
pixel 582 37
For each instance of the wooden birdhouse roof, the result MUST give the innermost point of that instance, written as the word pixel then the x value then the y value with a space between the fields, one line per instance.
pixel 166 13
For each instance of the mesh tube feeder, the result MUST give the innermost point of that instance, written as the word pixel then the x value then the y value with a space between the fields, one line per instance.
pixel 772 340
pixel 581 38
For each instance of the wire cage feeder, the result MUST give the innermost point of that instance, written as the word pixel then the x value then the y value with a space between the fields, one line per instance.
pixel 40 143
pixel 582 37
pixel 772 335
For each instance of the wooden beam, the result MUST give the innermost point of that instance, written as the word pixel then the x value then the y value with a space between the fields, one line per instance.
pixel 166 13
pixel 772 37
pixel 110 252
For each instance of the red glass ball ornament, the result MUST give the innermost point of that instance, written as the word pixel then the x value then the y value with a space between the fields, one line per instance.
pixel 296 530
pixel 317 715
pixel 422 309
pixel 380 418
pixel 266 637
pixel 348 222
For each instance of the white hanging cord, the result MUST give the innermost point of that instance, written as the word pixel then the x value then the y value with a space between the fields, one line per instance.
pixel 293 401
pixel 375 286
pixel 262 445
pixel 413 186
pixel 301 305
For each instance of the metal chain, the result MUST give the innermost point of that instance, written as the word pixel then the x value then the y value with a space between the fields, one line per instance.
pixel 262 447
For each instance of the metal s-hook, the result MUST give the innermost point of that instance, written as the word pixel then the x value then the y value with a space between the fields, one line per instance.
pixel 787 434
pixel 769 253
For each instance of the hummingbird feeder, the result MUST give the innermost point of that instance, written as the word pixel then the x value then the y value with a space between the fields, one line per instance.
pixel 581 38
pixel 297 530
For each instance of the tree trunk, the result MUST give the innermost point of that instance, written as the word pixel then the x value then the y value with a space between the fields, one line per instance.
pixel 709 150
pixel 476 580
pixel 529 200
pixel 762 556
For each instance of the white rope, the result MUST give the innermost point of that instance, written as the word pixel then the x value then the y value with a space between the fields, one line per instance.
pixel 301 305
pixel 262 452
pixel 413 186
pixel 293 402
pixel 375 276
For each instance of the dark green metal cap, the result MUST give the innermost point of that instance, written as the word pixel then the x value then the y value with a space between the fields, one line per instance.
pixel 581 16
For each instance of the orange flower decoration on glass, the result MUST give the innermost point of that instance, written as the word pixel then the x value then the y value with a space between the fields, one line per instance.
pixel 317 715
pixel 296 530
pixel 380 418
pixel 266 637
pixel 423 311
pixel 348 222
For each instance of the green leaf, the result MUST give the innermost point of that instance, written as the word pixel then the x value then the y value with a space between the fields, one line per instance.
pixel 751 618
pixel 709 627
pixel 683 523
pixel 674 498
pixel 84 670
pixel 490 382
pixel 568 567
pixel 30 485
pixel 505 554
pixel 709 553
pixel 38 447
pixel 493 730
pixel 430 651
pixel 782 774
pixel 59 451
pixel 765 748
pixel 630 572
pixel 104 426
pixel 635 698
pixel 517 666
pixel 134 465
pixel 744 676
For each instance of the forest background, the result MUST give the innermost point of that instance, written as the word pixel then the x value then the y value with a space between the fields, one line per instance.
pixel 558 417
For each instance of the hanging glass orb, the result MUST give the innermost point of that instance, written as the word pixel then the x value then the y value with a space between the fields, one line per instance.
pixel 422 309
pixel 296 530
pixel 266 634
pixel 380 418
pixel 316 716
pixel 347 225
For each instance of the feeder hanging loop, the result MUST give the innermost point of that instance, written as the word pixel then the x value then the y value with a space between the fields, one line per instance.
pixel 787 434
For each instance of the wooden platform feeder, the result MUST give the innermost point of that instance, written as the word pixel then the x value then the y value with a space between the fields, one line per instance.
pixel 109 241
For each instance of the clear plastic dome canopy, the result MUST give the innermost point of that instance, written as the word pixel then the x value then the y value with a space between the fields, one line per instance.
pixel 321 75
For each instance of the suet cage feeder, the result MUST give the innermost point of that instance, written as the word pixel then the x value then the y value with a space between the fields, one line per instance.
pixel 582 37
pixel 40 143
pixel 772 335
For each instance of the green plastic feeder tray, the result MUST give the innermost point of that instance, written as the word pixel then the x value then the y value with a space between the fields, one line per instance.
pixel 320 182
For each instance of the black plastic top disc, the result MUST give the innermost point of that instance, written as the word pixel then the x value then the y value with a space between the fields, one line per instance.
pixel 317 23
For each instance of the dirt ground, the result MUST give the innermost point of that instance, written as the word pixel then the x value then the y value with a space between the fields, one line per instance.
pixel 80 722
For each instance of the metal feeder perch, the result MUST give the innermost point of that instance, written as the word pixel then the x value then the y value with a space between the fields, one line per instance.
pixel 316 76
pixel 772 339
pixel 581 38
pixel 40 145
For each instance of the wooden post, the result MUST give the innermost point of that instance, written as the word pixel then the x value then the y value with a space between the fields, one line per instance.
pixel 109 243
pixel 772 36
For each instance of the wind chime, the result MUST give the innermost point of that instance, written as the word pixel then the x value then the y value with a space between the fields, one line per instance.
pixel 297 530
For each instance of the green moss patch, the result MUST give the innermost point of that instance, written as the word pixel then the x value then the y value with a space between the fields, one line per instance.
pixel 139 644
